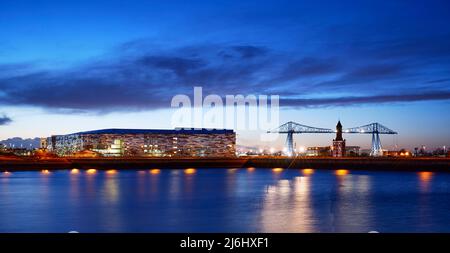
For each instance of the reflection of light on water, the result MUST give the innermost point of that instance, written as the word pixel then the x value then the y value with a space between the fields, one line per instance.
pixel 307 172
pixel 141 172
pixel 74 186
pixel 341 172
pixel 287 207
pixel 352 206
pixel 363 184
pixel 251 169
pixel 232 170
pixel 6 173
pixel 110 217
pixel 425 178
pixel 45 172
pixel 284 187
pixel 189 180
pixel 277 170
pixel 111 189
pixel 111 172
pixel 91 171
pixel 189 171
pixel 155 171
pixel 174 184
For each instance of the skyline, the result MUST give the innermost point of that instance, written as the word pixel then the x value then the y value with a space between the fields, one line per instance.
pixel 358 62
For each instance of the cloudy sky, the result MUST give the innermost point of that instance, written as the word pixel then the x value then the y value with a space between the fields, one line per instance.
pixel 68 66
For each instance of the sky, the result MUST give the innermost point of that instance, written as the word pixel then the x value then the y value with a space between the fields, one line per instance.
pixel 68 66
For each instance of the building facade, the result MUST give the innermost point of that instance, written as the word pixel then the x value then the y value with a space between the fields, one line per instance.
pixel 352 150
pixel 338 149
pixel 147 143
pixel 318 151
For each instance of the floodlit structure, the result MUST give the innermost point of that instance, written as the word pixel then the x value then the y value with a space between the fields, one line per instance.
pixel 147 142
pixel 338 149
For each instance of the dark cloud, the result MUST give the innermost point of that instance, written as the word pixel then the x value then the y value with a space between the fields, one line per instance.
pixel 248 52
pixel 306 67
pixel 443 80
pixel 139 77
pixel 376 71
pixel 178 65
pixel 350 101
pixel 4 120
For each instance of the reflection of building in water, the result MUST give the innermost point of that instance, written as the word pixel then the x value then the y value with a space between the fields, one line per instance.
pixel 287 207
pixel 146 142
pixel 351 208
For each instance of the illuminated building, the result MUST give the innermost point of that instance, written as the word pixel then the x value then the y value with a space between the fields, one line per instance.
pixel 147 143
pixel 338 149
pixel 318 151
pixel 352 150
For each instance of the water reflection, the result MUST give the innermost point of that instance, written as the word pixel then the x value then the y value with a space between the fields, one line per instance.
pixel 215 200
pixel 190 171
pixel 341 172
pixel 351 204
pixel 232 170
pixel 111 172
pixel 111 216
pixel 111 187
pixel 155 171
pixel 189 180
pixel 174 185
pixel 91 171
pixel 308 172
pixel 277 170
pixel 74 183
pixel 75 171
pixel 287 206
pixel 425 178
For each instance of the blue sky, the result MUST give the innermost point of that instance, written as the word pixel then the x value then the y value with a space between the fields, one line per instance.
pixel 78 65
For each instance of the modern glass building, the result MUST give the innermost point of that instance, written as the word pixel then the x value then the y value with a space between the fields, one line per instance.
pixel 147 143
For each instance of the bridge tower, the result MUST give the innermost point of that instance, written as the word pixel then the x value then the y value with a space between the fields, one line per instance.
pixel 290 128
pixel 375 129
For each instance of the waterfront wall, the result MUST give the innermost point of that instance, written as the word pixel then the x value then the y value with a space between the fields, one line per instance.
pixel 388 164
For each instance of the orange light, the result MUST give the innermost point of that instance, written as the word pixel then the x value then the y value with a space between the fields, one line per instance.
pixel 155 171
pixel 111 172
pixel 74 171
pixel 251 169
pixel 91 171
pixel 45 171
pixel 341 172
pixel 425 176
pixel 190 171
pixel 7 173
pixel 308 171
pixel 277 170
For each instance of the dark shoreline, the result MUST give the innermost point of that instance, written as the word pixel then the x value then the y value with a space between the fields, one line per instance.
pixel 384 164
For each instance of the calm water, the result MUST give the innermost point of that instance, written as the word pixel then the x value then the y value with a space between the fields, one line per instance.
pixel 225 200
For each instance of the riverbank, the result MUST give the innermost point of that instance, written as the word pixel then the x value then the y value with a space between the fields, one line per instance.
pixel 351 163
